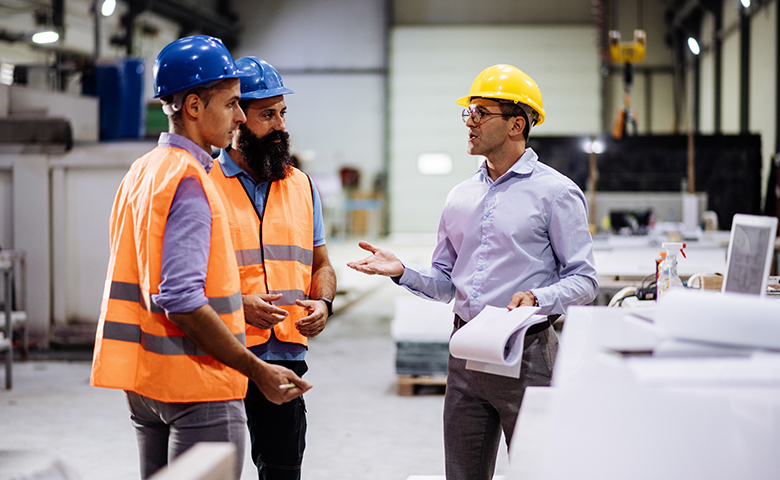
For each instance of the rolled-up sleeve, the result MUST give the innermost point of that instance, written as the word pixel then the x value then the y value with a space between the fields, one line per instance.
pixel 573 247
pixel 185 252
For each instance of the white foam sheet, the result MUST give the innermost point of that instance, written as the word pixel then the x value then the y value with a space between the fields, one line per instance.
pixel 724 318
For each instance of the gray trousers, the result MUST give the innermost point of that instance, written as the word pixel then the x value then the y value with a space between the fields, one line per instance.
pixel 166 430
pixel 478 406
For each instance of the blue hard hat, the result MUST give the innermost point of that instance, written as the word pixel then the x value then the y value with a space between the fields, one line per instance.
pixel 190 62
pixel 261 80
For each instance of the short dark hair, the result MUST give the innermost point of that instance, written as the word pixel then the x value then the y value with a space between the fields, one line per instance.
pixel 512 109
pixel 203 92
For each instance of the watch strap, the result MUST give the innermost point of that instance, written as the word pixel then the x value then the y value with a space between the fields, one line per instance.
pixel 329 304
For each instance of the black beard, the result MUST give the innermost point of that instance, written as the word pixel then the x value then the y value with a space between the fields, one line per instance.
pixel 268 161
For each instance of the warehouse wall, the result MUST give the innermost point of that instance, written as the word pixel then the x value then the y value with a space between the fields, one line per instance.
pixel 763 78
pixel 431 67
pixel 332 54
pixel 363 102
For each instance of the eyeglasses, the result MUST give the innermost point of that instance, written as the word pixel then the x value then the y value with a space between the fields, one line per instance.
pixel 475 114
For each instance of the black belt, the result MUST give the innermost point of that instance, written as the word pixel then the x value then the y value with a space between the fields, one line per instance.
pixel 533 330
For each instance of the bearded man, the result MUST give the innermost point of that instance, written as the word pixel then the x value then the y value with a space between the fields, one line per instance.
pixel 287 282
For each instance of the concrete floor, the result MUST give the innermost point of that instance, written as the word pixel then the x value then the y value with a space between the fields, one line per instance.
pixel 359 428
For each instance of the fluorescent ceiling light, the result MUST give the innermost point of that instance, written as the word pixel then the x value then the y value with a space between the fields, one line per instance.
pixel 46 37
pixel 693 45
pixel 108 8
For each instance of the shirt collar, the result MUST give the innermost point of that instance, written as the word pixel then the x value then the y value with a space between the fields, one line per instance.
pixel 526 163
pixel 177 141
pixel 229 166
pixel 523 166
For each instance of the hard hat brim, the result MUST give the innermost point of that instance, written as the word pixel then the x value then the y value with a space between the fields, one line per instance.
pixel 260 94
pixel 238 74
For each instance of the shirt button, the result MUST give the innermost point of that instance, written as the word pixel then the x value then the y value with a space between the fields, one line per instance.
pixel 481 267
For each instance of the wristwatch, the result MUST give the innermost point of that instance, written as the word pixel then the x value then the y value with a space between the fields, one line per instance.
pixel 536 300
pixel 329 303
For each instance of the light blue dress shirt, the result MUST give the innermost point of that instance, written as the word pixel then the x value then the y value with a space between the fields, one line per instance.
pixel 527 231
pixel 274 349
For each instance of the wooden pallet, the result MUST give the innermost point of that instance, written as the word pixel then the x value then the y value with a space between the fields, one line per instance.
pixel 407 383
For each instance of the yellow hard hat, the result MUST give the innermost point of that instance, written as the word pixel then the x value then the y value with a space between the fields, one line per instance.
pixel 506 82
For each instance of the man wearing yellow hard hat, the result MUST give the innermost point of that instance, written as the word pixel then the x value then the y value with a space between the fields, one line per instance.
pixel 514 234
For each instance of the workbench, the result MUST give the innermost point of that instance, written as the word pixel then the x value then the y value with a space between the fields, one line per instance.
pixel 603 419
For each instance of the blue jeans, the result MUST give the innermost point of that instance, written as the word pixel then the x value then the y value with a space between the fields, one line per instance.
pixel 166 430
pixel 277 432
pixel 478 406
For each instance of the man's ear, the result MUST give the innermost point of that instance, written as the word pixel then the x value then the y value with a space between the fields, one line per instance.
pixel 518 126
pixel 193 105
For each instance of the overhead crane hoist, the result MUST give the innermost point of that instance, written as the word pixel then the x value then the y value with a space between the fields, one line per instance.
pixel 627 53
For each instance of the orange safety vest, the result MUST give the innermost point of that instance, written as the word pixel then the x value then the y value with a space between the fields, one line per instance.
pixel 137 348
pixel 274 249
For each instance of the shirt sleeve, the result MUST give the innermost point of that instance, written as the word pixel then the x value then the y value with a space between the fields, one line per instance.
pixel 185 252
pixel 573 247
pixel 434 282
pixel 319 226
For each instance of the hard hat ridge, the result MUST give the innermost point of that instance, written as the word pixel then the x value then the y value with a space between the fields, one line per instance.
pixel 261 79
pixel 191 62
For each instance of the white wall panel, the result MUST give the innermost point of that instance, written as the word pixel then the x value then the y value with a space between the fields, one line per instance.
pixel 433 66
pixel 341 119
pixel 313 33
pixel 663 104
pixel 84 184
pixel 763 75
pixel 730 84
pixel 332 54
pixel 89 196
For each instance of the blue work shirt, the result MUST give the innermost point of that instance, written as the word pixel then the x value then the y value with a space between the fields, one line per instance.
pixel 527 231
pixel 186 238
pixel 273 349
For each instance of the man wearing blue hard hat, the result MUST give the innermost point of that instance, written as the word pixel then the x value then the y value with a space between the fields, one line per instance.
pixel 171 332
pixel 288 283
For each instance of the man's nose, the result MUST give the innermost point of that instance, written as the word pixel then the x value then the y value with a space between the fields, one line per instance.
pixel 240 116
pixel 279 123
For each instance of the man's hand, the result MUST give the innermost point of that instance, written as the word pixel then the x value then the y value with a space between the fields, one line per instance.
pixel 381 262
pixel 269 377
pixel 313 324
pixel 259 312
pixel 522 299
pixel 204 327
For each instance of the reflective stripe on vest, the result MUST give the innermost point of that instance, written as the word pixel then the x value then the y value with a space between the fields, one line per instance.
pixel 283 264
pixel 133 293
pixel 125 332
pixel 137 347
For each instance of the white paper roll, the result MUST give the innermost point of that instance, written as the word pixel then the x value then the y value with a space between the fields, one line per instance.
pixel 495 335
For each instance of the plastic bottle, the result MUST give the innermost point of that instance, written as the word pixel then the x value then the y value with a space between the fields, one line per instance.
pixel 667 270
pixel 661 258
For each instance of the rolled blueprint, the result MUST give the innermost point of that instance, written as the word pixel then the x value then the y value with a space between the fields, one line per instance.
pixel 493 340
